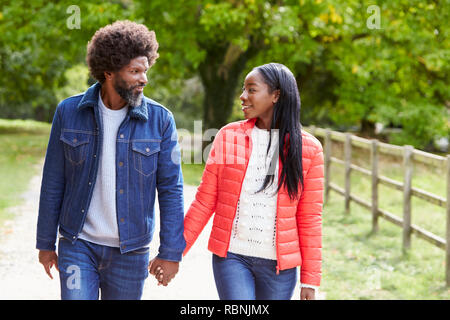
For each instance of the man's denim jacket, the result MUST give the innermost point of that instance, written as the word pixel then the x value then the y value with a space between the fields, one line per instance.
pixel 147 159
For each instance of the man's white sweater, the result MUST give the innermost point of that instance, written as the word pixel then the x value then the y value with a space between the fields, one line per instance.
pixel 101 225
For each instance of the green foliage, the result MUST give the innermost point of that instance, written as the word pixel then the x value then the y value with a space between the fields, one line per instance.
pixel 397 74
pixel 77 82
pixel 183 98
pixel 349 72
pixel 192 173
pixel 421 122
pixel 37 47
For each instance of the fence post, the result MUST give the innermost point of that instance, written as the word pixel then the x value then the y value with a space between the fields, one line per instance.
pixel 348 163
pixel 447 243
pixel 407 184
pixel 327 160
pixel 374 162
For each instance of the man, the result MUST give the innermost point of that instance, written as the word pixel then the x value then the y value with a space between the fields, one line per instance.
pixel 110 148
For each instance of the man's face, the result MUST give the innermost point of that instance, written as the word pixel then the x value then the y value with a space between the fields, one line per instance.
pixel 130 81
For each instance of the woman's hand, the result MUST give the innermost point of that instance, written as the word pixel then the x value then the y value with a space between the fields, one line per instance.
pixel 307 294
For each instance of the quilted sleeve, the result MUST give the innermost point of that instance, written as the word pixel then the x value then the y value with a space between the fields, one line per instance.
pixel 309 219
pixel 204 204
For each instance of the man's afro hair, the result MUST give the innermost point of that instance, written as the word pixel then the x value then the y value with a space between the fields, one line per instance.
pixel 115 45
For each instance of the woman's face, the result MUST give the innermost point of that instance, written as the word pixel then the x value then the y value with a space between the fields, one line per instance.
pixel 257 101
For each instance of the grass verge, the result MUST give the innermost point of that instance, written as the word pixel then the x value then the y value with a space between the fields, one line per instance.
pixel 359 264
pixel 192 173
pixel 23 144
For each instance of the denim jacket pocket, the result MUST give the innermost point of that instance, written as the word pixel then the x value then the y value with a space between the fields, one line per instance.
pixel 75 145
pixel 145 155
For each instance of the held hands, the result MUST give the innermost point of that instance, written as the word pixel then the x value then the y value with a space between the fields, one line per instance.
pixel 163 270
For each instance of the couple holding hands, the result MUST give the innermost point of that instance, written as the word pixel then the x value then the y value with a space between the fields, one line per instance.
pixel 111 148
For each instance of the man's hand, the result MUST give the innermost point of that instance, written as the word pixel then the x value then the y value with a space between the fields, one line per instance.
pixel 48 260
pixel 163 270
pixel 307 294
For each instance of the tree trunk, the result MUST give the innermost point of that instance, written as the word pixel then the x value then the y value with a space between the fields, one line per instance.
pixel 219 73
pixel 367 128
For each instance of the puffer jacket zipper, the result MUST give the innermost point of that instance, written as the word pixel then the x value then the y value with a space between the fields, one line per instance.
pixel 277 218
pixel 247 159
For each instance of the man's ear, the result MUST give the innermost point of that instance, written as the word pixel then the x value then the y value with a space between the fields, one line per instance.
pixel 108 75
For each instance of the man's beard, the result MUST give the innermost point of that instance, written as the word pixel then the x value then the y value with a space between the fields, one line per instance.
pixel 127 92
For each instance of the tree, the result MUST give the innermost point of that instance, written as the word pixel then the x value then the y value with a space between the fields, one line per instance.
pixel 38 43
pixel 216 40
pixel 394 73
pixel 356 63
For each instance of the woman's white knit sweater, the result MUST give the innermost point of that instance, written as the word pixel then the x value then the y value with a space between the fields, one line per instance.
pixel 253 232
pixel 254 225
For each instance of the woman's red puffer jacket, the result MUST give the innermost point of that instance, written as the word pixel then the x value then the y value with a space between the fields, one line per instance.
pixel 298 223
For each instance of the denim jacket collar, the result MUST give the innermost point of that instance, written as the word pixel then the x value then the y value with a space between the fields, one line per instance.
pixel 90 99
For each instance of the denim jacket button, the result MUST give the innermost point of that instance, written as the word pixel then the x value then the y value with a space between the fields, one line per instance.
pixel 120 164
pixel 121 191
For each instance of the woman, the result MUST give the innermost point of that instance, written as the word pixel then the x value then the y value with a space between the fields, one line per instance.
pixel 268 204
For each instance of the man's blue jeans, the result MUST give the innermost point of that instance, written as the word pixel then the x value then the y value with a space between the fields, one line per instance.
pixel 240 277
pixel 85 268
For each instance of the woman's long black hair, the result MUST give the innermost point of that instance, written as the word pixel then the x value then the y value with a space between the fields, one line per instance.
pixel 286 118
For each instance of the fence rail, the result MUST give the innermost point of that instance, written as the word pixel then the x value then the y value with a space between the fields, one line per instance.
pixel 409 155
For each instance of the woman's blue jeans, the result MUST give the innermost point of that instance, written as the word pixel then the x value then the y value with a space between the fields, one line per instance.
pixel 240 277
pixel 86 268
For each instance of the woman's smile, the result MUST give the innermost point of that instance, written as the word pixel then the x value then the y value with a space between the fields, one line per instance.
pixel 257 100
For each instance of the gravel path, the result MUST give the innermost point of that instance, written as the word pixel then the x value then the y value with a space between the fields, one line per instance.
pixel 23 278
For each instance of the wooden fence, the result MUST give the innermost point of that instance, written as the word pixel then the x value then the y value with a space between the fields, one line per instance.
pixel 409 155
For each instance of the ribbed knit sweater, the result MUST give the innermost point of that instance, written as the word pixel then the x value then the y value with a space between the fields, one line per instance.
pixel 101 225
pixel 253 232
